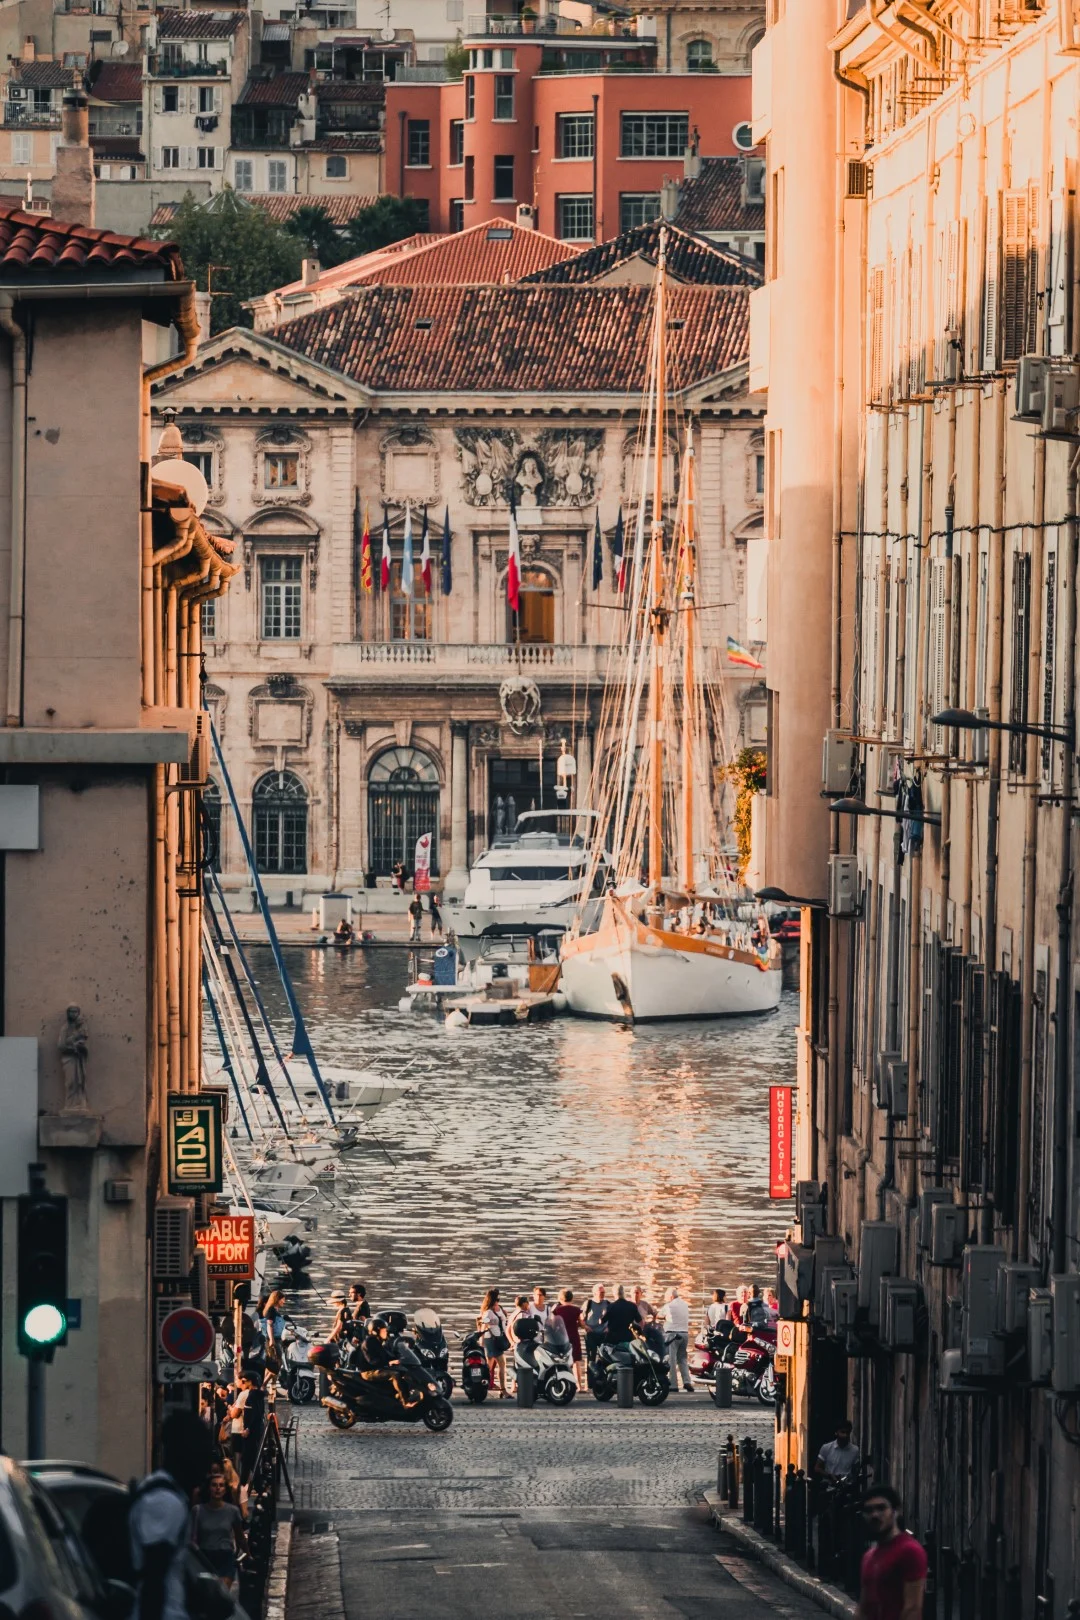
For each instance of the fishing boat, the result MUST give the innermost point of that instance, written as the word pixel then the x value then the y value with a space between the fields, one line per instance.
pixel 675 936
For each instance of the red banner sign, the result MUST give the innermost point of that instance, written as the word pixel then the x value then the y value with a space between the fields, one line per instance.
pixel 779 1141
pixel 229 1245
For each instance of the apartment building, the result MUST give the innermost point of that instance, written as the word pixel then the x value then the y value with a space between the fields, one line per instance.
pixel 195 70
pixel 918 335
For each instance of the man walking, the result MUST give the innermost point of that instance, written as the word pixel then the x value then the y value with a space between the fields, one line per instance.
pixel 675 1315
pixel 416 912
pixel 838 1458
pixel 893 1573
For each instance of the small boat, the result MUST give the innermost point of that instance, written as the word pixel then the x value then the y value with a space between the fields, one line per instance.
pixel 532 877
pixel 522 955
pixel 510 1007
pixel 362 1091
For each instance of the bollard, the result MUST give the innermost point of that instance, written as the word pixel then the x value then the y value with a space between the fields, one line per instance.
pixel 624 1386
pixel 723 1387
pixel 749 1451
pixel 778 1476
pixel 733 1472
pixel 526 1386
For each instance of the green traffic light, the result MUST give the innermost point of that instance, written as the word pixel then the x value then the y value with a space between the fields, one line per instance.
pixel 44 1324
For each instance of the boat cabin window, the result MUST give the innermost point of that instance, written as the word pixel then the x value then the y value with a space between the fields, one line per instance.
pixel 534 874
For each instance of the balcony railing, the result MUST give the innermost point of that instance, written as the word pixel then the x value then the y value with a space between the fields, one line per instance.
pixel 495 27
pixel 159 68
pixel 24 115
pixel 486 662
pixel 421 73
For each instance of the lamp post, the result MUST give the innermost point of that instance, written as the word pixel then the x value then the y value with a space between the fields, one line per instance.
pixel 965 720
pixel 857 807
pixel 781 897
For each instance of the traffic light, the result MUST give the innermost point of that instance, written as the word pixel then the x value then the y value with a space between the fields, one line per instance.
pixel 42 1274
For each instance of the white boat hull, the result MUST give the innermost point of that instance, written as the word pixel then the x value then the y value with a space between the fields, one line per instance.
pixel 469 922
pixel 657 979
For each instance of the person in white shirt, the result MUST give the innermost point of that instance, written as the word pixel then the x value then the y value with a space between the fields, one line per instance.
pixel 718 1309
pixel 838 1458
pixel 539 1306
pixel 675 1315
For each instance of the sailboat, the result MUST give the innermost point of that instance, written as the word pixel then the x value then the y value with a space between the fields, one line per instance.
pixel 674 941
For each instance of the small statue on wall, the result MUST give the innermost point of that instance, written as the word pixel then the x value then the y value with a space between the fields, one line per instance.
pixel 74 1046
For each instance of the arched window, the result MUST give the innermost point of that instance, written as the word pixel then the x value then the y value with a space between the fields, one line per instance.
pixel 211 826
pixel 280 821
pixel 403 804
pixel 699 57
pixel 536 614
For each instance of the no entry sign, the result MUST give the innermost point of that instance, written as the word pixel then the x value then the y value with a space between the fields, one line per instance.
pixel 229 1245
pixel 187 1335
pixel 779 1141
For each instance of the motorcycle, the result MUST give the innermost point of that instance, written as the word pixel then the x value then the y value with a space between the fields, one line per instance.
pixel 408 1395
pixel 429 1344
pixel 475 1378
pixel 550 1364
pixel 297 1375
pixel 646 1354
pixel 750 1353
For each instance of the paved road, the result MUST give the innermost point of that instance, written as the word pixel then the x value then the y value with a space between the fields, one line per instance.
pixel 540 1515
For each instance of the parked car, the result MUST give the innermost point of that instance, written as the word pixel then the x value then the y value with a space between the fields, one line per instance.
pixel 44 1568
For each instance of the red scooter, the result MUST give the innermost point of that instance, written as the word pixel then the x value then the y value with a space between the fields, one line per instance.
pixel 749 1352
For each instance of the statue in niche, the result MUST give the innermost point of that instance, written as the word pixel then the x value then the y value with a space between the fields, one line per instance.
pixel 573 457
pixel 500 814
pixel 529 480
pixel 74 1046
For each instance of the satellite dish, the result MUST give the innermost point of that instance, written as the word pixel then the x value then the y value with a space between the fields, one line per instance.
pixel 189 478
pixel 387 33
pixel 120 47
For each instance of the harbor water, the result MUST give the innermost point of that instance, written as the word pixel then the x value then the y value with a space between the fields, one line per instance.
pixel 566 1153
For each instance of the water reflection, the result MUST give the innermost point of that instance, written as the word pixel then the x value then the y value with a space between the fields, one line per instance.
pixel 567 1153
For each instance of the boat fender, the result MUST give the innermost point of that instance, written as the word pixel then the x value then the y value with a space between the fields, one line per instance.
pixel 405 1004
pixel 456 1019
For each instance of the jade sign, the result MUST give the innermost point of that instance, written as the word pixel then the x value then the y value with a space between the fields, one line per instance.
pixel 194 1144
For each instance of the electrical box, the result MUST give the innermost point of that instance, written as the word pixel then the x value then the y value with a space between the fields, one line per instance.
pixel 1031 386
pixel 1040 1335
pixel 1062 403
pixel 839 763
pixel 1016 1284
pixel 898 1309
pixel 896 1087
pixel 845 1303
pixel 927 1199
pixel 1065 1325
pixel 948 1233
pixel 982 1346
pixel 843 886
pixel 879 1243
pixel 881 1077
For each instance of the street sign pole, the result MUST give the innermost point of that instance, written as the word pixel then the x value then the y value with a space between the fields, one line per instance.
pixel 35 1408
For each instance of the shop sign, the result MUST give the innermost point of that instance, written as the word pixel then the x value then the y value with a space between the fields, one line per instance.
pixel 779 1141
pixel 228 1241
pixel 194 1143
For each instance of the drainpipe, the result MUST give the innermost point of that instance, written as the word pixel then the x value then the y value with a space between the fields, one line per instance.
pixel 401 152
pixel 17 602
pixel 595 162
pixel 876 8
pixel 995 610
pixel 1062 1040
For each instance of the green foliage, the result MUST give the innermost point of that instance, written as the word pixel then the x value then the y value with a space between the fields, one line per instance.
pixel 456 59
pixel 388 220
pixel 747 772
pixel 319 235
pixel 249 253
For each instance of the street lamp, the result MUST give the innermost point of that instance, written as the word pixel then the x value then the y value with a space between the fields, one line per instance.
pixel 965 720
pixel 857 807
pixel 781 897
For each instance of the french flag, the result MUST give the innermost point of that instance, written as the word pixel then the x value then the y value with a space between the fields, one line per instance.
pixel 384 562
pixel 425 556
pixel 513 568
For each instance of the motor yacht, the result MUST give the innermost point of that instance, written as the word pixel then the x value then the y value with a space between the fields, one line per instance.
pixel 540 876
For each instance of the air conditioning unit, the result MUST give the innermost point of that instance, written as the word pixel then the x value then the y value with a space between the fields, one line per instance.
pixel 164 1305
pixel 794 1279
pixel 857 181
pixel 954 1380
pixel 845 1303
pixel 891 1084
pixel 1031 387
pixel 953 1322
pixel 881 1077
pixel 898 1308
pixel 982 1346
pixel 808 1193
pixel 843 886
pixel 879 1246
pixel 839 763
pixel 174 1238
pixel 1065 1326
pixel 1016 1285
pixel 927 1199
pixel 829 1255
pixel 200 1290
pixel 948 1234
pixel 1061 406
pixel 16 92
pixel 1040 1335
pixel 824 1279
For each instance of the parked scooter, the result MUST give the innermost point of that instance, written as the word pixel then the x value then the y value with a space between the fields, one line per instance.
pixel 550 1364
pixel 408 1395
pixel 297 1375
pixel 429 1343
pixel 645 1353
pixel 475 1378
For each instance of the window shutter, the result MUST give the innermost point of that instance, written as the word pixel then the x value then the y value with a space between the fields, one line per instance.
pixel 189 157
pixel 1014 273
pixel 954 298
pixel 916 367
pixel 157 157
pixel 1049 658
pixel 891 334
pixel 990 286
pixel 1058 278
pixel 1034 276
pixel 217 99
pixel 219 157
pixel 938 652
pixel 158 99
pixel 877 332
pixel 1021 649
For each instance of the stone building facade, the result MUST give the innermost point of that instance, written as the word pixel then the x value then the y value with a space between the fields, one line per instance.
pixel 353 721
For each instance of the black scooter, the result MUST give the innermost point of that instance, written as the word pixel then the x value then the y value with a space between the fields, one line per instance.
pixel 408 1395
pixel 475 1378
pixel 429 1344
pixel 646 1354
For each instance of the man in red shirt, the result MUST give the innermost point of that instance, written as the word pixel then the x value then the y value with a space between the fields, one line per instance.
pixel 893 1574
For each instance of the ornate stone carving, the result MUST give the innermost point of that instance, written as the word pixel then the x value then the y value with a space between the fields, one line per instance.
pixel 529 482
pixel 519 699
pixel 487 457
pixel 572 459
pixel 355 728
pixel 74 1047
pixel 487 736
pixel 279 714
pixel 409 465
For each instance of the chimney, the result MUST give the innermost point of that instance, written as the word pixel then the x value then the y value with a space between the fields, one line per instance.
pixel 669 199
pixel 309 271
pixel 202 314
pixel 73 184
pixel 29 49
pixel 526 217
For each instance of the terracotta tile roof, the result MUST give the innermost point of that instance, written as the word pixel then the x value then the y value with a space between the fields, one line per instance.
pixel 349 90
pixel 358 141
pixel 173 24
pixel 281 206
pixel 567 340
pixel 690 259
pixel 29 244
pixel 118 81
pixel 713 202
pixel 284 89
pixel 43 75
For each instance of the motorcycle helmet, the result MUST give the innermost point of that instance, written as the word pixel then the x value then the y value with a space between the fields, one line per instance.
pixel 377 1324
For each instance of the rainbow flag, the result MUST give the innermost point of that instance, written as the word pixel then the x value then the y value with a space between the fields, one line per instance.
pixel 738 654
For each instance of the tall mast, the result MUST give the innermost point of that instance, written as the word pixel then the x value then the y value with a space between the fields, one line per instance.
pixel 689 710
pixel 656 693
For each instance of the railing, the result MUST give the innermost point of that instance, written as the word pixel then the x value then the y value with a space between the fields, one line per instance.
pixel 264 1487
pixel 495 27
pixel 468 656
pixel 421 73
pixel 161 69
pixel 23 114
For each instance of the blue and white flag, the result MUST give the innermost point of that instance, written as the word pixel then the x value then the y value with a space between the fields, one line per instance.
pixel 406 555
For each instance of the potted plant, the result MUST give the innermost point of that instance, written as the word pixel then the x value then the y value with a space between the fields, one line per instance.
pixel 528 20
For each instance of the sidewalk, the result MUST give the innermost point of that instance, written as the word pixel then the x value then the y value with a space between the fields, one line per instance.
pixel 829 1598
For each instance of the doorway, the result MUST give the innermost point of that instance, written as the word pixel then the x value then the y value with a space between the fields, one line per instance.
pixel 515 785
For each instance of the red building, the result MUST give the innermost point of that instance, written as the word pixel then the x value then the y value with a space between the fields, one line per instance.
pixel 580 128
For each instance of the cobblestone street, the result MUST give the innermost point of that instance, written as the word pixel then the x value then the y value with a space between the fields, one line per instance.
pixel 584 1511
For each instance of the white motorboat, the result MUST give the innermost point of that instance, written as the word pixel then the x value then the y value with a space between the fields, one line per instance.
pixel 540 875
pixel 354 1092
